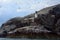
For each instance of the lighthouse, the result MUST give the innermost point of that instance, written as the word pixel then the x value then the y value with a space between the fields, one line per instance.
pixel 36 15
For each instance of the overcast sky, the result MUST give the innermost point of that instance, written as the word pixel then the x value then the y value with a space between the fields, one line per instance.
pixel 13 8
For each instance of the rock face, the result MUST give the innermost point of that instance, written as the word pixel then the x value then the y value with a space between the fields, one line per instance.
pixel 31 29
pixel 43 23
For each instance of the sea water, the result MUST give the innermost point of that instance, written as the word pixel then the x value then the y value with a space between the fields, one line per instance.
pixel 26 39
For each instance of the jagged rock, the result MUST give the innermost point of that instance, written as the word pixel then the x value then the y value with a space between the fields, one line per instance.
pixel 58 27
pixel 30 29
pixel 3 33
pixel 47 20
pixel 51 18
pixel 12 24
pixel 58 23
pixel 9 27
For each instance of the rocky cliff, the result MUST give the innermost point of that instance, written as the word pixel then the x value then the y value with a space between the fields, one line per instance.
pixel 28 25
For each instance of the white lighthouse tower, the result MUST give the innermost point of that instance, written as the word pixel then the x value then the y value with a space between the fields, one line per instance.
pixel 36 15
